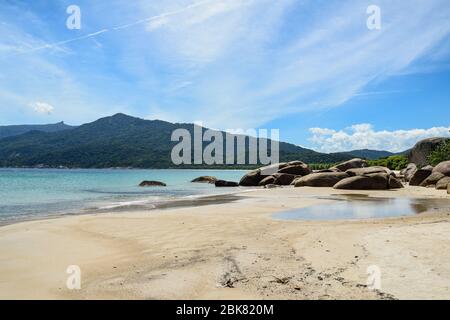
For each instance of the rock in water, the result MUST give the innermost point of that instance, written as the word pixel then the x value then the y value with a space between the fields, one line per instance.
pixel 205 179
pixel 443 183
pixel 432 179
pixel 152 184
pixel 321 179
pixel 223 183
pixel 377 181
pixel 443 167
pixel 419 176
pixel 422 149
pixel 350 164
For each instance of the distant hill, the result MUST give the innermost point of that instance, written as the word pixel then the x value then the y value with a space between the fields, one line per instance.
pixel 369 154
pixel 9 131
pixel 118 141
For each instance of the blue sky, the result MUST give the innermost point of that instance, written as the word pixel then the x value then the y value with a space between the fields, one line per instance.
pixel 309 68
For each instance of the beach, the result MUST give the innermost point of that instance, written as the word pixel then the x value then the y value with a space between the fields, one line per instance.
pixel 231 249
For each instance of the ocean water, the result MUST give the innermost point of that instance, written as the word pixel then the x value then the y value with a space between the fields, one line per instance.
pixel 33 193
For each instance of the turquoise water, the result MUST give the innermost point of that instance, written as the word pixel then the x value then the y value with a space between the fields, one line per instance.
pixel 31 193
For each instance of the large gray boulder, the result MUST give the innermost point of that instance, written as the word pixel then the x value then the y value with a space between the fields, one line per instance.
pixel 394 183
pixel 443 183
pixel 420 175
pixel 432 179
pixel 350 164
pixel 422 149
pixel 376 181
pixel 321 179
pixel 443 167
pixel 298 168
pixel 368 170
pixel 409 171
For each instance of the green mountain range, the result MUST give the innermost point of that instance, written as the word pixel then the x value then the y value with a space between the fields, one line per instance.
pixel 116 141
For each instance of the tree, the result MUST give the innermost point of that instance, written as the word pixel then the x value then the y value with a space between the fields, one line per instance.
pixel 440 154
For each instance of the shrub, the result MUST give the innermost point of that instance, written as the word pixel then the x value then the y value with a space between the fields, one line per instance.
pixel 392 162
pixel 440 154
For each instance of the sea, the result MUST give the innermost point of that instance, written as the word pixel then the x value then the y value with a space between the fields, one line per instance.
pixel 27 194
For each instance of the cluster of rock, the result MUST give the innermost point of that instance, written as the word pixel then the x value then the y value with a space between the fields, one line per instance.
pixel 431 177
pixel 353 174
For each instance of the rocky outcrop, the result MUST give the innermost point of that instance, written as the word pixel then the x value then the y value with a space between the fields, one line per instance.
pixel 443 167
pixel 298 168
pixel 420 175
pixel 368 170
pixel 205 179
pixel 147 183
pixel 432 179
pixel 223 183
pixel 409 171
pixel 376 181
pixel 293 168
pixel 350 164
pixel 321 179
pixel 422 149
pixel 443 183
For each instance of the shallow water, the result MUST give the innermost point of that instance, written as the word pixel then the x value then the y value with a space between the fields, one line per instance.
pixel 357 206
pixel 32 193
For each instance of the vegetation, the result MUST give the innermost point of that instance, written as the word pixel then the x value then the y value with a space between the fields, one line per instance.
pixel 440 154
pixel 392 162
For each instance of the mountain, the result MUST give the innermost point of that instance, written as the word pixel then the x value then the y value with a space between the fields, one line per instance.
pixel 9 131
pixel 118 141
pixel 369 154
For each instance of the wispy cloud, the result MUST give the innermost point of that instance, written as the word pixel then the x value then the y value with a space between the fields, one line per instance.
pixel 364 136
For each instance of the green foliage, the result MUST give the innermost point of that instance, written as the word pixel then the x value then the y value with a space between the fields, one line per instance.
pixel 392 162
pixel 440 154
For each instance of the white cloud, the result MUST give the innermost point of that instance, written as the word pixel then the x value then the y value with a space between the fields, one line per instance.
pixel 42 107
pixel 363 136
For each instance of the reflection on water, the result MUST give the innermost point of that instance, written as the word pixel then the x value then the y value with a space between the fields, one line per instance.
pixel 359 206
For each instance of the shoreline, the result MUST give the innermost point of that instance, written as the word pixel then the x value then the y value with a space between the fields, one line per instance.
pixel 231 250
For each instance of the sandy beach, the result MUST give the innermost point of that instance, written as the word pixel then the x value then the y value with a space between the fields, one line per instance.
pixel 231 250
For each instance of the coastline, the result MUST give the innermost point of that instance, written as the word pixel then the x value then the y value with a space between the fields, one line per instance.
pixel 230 250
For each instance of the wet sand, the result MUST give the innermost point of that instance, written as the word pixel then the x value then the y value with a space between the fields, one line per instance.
pixel 231 250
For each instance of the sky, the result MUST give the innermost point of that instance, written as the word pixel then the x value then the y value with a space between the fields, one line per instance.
pixel 317 70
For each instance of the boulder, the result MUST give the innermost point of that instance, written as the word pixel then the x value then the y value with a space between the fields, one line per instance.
pixel 321 179
pixel 432 179
pixel 283 179
pixel 223 183
pixel 420 175
pixel 443 183
pixel 409 171
pixel 152 184
pixel 298 168
pixel 267 180
pixel 368 170
pixel 376 181
pixel 448 189
pixel 205 179
pixel 443 167
pixel 395 183
pixel 422 149
pixel 350 164
pixel 254 177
